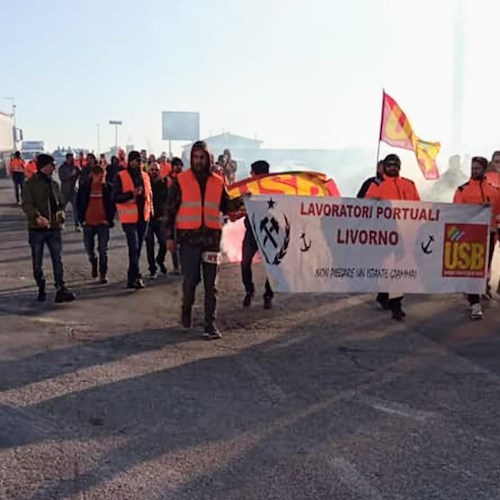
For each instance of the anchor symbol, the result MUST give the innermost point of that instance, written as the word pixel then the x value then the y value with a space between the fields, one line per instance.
pixel 306 245
pixel 426 247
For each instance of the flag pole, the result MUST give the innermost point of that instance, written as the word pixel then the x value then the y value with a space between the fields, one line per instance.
pixel 381 124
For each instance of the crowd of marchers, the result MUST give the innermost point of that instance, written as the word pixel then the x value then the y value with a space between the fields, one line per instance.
pixel 180 210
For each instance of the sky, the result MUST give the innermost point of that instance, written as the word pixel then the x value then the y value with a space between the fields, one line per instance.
pixel 294 73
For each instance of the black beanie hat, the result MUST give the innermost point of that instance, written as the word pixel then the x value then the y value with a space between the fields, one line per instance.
pixel 42 160
pixel 134 155
pixel 392 158
pixel 260 167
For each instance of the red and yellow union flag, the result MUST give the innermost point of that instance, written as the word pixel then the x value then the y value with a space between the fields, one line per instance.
pixel 426 153
pixel 289 183
pixel 396 129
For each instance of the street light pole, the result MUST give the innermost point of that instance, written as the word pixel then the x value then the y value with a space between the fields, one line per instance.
pixel 116 123
pixel 98 139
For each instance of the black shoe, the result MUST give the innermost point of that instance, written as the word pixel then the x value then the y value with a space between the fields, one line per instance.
pixel 175 271
pixel 247 301
pixel 152 276
pixel 94 268
pixel 398 315
pixel 42 296
pixel 211 333
pixel 139 284
pixel 103 280
pixel 162 267
pixel 186 317
pixel 268 303
pixel 131 285
pixel 382 305
pixel 64 294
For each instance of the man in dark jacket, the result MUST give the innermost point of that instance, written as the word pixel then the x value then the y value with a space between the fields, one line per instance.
pixel 195 204
pixel 68 175
pixel 43 206
pixel 250 248
pixel 156 226
pixel 96 210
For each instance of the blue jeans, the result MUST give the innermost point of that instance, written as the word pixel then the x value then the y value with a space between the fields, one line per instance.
pixel 135 237
pixel 37 239
pixel 102 233
pixel 18 180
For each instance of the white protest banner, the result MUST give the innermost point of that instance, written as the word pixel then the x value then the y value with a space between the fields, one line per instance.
pixel 313 244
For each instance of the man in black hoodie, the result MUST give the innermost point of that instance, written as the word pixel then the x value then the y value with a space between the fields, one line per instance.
pixel 195 204
pixel 43 206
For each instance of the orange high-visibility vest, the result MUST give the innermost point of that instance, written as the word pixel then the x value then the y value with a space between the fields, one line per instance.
pixel 30 169
pixel 194 212
pixel 16 165
pixel 165 169
pixel 128 212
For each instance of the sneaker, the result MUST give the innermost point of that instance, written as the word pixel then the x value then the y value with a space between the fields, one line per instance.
pixel 103 280
pixel 211 333
pixel 268 303
pixel 94 268
pixel 162 267
pixel 398 315
pixel 78 229
pixel 64 294
pixel 152 276
pixel 247 301
pixel 476 312
pixel 139 284
pixel 186 317
pixel 42 296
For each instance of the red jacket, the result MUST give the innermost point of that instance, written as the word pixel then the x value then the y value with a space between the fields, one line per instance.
pixel 479 193
pixel 393 188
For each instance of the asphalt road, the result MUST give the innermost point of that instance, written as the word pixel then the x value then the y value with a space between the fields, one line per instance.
pixel 320 398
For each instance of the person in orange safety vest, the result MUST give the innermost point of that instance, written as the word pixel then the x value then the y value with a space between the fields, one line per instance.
pixel 17 171
pixel 392 187
pixel 30 169
pixel 195 205
pixel 134 204
pixel 480 191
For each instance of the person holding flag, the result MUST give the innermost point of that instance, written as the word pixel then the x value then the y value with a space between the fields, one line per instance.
pixel 392 187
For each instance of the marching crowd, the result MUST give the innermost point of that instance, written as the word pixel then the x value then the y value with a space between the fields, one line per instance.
pixel 182 210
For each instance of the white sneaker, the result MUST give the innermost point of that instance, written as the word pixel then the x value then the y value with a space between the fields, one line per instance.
pixel 476 312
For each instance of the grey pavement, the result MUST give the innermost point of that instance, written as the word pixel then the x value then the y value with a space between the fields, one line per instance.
pixel 320 398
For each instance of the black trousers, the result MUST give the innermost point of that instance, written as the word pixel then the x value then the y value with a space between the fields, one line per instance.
pixel 155 230
pixel 18 180
pixel 250 248
pixel 193 265
pixel 475 298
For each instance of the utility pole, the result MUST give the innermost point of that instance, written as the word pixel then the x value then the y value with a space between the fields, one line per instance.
pixel 98 139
